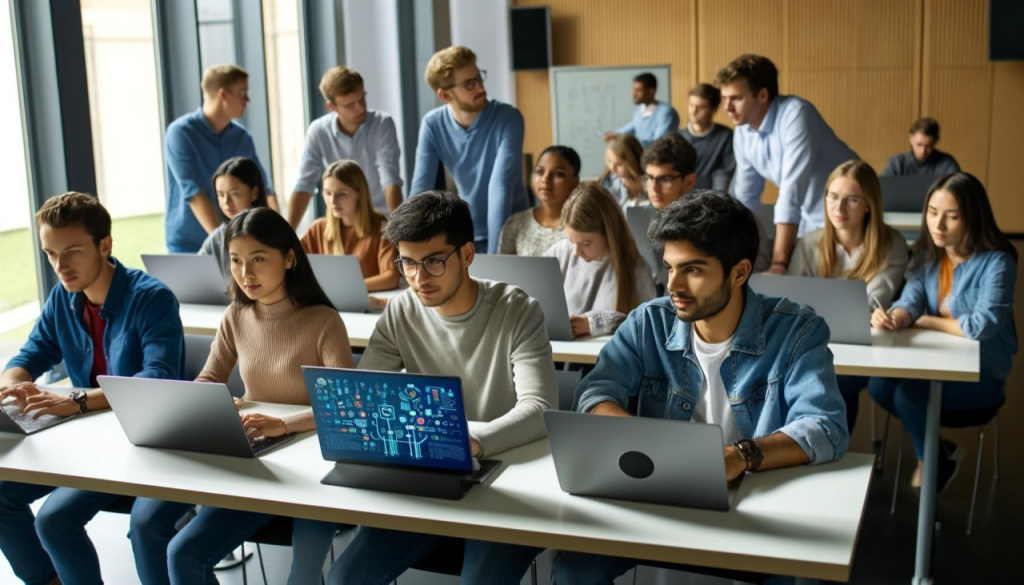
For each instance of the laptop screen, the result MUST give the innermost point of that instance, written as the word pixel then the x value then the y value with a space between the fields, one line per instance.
pixel 390 418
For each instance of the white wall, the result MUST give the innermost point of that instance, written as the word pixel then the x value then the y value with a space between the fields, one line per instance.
pixel 483 26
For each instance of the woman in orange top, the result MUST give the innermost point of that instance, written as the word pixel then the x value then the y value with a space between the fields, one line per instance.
pixel 353 226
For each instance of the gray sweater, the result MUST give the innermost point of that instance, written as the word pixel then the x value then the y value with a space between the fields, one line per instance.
pixel 715 162
pixel 214 246
pixel 937 165
pixel 499 349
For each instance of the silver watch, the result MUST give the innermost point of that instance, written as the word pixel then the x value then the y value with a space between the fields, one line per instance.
pixel 80 397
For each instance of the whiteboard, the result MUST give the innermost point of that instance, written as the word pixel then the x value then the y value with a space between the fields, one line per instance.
pixel 589 100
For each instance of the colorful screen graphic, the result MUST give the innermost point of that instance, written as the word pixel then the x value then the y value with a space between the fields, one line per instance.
pixel 405 420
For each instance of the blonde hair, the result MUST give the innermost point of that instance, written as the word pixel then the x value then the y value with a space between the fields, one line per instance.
pixel 592 209
pixel 441 68
pixel 339 81
pixel 877 236
pixel 369 220
pixel 628 148
pixel 218 77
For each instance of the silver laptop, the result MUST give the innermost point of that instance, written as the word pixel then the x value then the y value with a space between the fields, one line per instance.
pixel 342 280
pixel 638 219
pixel 905 193
pixel 188 416
pixel 193 279
pixel 13 421
pixel 540 277
pixel 639 459
pixel 842 302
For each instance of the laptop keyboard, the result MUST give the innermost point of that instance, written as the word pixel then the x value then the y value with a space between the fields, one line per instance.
pixel 27 423
pixel 261 444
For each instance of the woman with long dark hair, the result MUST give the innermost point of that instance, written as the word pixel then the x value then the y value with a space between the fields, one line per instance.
pixel 239 185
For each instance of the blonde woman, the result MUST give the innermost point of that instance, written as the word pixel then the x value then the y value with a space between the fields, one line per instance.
pixel 623 176
pixel 855 243
pixel 353 226
pixel 603 274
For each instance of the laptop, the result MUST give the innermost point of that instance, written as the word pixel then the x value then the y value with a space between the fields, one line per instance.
pixel 905 193
pixel 842 302
pixel 639 459
pixel 394 431
pixel 194 279
pixel 187 416
pixel 638 219
pixel 342 279
pixel 540 277
pixel 13 421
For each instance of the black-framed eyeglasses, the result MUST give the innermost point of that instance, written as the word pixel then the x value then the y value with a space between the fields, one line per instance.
pixel 471 83
pixel 663 181
pixel 434 265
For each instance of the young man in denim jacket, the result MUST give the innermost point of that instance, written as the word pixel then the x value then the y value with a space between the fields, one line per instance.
pixel 715 351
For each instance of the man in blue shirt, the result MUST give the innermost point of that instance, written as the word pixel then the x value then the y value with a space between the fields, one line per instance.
pixel 479 141
pixel 652 119
pixel 349 131
pixel 194 146
pixel 781 138
pixel 714 351
pixel 102 319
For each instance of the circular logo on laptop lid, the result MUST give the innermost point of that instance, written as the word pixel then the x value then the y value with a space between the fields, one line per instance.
pixel 636 465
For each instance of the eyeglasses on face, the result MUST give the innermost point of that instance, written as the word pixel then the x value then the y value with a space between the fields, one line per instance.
pixel 472 83
pixel 663 181
pixel 433 266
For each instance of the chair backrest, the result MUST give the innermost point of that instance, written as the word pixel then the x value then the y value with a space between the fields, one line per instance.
pixel 197 350
pixel 568 380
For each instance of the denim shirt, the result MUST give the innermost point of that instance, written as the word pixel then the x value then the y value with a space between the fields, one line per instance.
pixel 981 301
pixel 143 337
pixel 779 373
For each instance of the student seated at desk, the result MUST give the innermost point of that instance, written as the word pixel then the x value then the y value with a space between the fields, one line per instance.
pixel 532 232
pixel 922 158
pixel 489 334
pixel 717 352
pixel 239 186
pixel 353 226
pixel 855 243
pixel 603 274
pixel 102 319
pixel 623 175
pixel 961 282
pixel 279 320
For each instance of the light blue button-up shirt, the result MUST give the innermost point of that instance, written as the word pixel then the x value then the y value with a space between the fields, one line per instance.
pixel 374 147
pixel 795 149
pixel 647 129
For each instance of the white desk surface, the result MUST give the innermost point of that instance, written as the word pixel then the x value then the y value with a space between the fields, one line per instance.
pixel 802 521
pixel 903 220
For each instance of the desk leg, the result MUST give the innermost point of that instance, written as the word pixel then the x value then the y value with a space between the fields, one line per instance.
pixel 926 509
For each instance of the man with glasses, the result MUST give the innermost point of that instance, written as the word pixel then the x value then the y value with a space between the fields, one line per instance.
pixel 194 146
pixel 489 334
pixel 479 141
pixel 349 131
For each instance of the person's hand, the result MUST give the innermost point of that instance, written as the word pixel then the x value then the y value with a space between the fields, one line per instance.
pixel 49 403
pixel 776 270
pixel 893 320
pixel 580 325
pixel 238 403
pixel 735 465
pixel 20 391
pixel 609 408
pixel 474 447
pixel 260 425
pixel 378 302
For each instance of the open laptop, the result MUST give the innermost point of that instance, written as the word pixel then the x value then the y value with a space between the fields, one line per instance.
pixel 905 193
pixel 842 302
pixel 540 277
pixel 393 431
pixel 13 421
pixel 342 279
pixel 187 416
pixel 638 219
pixel 193 279
pixel 639 459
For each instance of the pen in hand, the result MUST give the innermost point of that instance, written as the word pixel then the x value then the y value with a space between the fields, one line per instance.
pixel 890 324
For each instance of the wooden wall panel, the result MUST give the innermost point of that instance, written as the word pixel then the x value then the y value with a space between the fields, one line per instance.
pixel 1006 154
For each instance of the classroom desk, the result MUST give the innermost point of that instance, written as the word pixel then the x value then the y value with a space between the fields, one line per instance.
pixel 802 521
pixel 902 220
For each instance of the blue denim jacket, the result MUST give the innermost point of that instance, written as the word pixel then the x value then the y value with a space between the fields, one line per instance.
pixel 981 302
pixel 143 336
pixel 779 373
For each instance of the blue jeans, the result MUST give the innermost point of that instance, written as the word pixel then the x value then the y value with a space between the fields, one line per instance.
pixel 215 532
pixel 908 400
pixel 379 556
pixel 850 387
pixel 54 544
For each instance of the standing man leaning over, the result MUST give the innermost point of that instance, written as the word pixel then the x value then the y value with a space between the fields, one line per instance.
pixel 479 141
pixel 194 146
pixel 652 119
pixel 712 141
pixel 101 319
pixel 923 158
pixel 349 131
pixel 784 139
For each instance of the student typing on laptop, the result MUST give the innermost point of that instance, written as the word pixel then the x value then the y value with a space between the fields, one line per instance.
pixel 489 334
pixel 279 320
pixel 102 318
pixel 717 352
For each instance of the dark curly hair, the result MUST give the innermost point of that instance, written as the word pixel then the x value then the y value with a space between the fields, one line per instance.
pixel 714 222
pixel 671 149
pixel 428 214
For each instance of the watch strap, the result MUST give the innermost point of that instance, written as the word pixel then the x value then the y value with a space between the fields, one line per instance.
pixel 82 399
pixel 750 451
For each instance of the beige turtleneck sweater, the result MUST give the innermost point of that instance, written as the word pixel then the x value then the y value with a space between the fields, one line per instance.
pixel 270 343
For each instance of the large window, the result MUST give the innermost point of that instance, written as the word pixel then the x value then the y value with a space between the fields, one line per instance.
pixel 126 134
pixel 284 92
pixel 217 44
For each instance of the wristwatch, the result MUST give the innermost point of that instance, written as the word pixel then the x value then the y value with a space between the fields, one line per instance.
pixel 750 452
pixel 80 397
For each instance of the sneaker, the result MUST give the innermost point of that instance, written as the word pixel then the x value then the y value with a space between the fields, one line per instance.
pixel 950 458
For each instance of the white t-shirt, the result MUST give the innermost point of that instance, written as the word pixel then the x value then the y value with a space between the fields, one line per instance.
pixel 847 262
pixel 713 403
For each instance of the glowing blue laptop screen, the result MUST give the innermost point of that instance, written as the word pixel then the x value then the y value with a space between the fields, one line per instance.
pixel 394 419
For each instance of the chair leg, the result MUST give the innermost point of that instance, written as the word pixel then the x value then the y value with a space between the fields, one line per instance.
pixel 533 571
pixel 896 480
pixel 885 442
pixel 636 570
pixel 996 476
pixel 259 553
pixel 874 425
pixel 977 475
pixel 245 574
